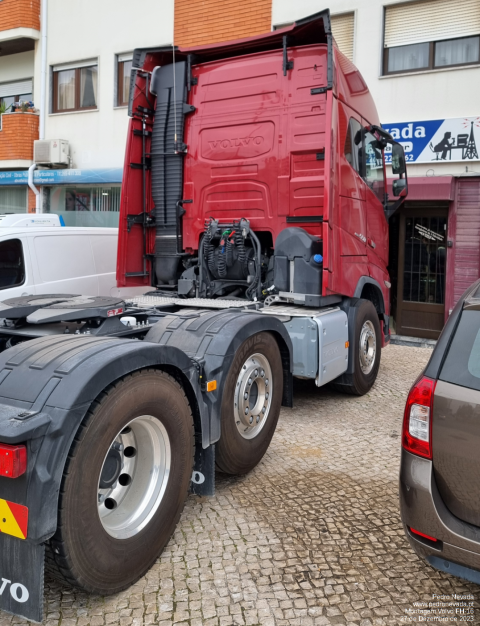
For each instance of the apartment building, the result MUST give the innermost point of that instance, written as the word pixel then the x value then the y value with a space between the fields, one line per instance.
pixel 424 75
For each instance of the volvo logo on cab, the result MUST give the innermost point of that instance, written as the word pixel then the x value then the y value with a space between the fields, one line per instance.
pixel 17 591
pixel 236 142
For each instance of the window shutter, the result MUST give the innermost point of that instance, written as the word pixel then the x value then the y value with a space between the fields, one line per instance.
pixel 74 66
pixel 434 20
pixel 342 29
pixel 15 89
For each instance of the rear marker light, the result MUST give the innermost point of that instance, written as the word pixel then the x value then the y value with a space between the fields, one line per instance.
pixel 417 532
pixel 417 421
pixel 211 385
pixel 13 460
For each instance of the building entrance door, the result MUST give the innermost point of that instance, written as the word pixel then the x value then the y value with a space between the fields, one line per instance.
pixel 420 310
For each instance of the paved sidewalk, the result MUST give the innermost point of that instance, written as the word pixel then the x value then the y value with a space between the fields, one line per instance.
pixel 311 537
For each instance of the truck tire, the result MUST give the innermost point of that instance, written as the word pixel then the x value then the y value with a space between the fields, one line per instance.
pixel 366 351
pixel 250 405
pixel 125 483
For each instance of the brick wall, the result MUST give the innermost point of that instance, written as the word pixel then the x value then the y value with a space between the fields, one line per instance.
pixel 209 21
pixel 31 201
pixel 19 13
pixel 19 130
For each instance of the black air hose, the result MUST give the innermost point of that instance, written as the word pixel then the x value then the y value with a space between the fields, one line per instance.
pixel 240 244
pixel 229 251
pixel 222 264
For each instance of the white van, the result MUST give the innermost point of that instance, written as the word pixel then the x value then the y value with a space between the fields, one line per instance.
pixel 38 255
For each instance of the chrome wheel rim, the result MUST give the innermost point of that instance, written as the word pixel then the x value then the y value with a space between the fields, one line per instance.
pixel 253 396
pixel 134 477
pixel 368 347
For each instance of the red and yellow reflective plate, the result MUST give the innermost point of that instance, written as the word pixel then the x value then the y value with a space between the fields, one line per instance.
pixel 13 519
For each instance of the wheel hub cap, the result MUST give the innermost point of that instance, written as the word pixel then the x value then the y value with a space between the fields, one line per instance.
pixel 253 396
pixel 134 477
pixel 368 347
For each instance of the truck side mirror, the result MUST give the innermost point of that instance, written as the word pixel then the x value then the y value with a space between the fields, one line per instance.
pixel 399 187
pixel 398 159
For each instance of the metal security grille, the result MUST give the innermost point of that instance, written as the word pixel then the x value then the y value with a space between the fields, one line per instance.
pixel 412 23
pixel 425 259
pixel 343 27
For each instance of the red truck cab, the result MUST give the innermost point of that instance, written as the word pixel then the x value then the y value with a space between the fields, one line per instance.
pixel 279 130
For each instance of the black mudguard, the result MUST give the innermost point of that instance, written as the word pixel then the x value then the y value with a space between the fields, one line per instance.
pixel 211 339
pixel 47 386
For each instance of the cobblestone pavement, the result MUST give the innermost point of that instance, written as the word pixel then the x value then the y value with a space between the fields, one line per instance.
pixel 311 537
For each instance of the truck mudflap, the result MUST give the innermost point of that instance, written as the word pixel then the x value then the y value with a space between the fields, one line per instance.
pixel 21 577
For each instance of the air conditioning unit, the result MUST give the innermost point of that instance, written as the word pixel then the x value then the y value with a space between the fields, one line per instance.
pixel 52 152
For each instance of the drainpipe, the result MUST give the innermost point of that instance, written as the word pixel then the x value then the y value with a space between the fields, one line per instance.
pixel 43 75
pixel 33 188
pixel 43 98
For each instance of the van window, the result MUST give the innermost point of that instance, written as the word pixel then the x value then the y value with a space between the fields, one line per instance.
pixel 62 256
pixel 462 365
pixel 12 265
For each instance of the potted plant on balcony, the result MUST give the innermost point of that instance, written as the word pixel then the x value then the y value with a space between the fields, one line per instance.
pixel 23 106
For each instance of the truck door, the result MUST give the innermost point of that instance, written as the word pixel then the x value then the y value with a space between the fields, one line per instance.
pixel 374 177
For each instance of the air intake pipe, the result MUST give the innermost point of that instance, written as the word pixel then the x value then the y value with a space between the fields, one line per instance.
pixel 167 150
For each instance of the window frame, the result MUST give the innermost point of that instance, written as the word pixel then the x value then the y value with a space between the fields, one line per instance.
pixel 431 58
pixel 119 82
pixel 24 278
pixel 360 161
pixel 77 107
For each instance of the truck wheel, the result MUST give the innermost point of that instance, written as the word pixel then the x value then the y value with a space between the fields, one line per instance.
pixel 125 483
pixel 251 404
pixel 366 352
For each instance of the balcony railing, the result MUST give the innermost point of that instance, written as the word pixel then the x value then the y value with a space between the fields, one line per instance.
pixel 17 134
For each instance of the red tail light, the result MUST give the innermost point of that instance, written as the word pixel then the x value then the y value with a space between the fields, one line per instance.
pixel 417 422
pixel 13 460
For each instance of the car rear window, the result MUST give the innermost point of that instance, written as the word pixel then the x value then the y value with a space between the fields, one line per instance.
pixel 462 365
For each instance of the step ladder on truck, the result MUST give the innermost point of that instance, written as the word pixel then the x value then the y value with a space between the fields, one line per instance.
pixel 254 212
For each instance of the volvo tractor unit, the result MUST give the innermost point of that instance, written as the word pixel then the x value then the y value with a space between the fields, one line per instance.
pixel 254 213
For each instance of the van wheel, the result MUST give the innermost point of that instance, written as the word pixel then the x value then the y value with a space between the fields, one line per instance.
pixel 251 404
pixel 125 483
pixel 366 352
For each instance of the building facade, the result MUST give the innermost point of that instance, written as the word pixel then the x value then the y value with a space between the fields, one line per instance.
pixel 424 75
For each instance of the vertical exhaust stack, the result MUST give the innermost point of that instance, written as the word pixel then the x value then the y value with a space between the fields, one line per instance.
pixel 167 151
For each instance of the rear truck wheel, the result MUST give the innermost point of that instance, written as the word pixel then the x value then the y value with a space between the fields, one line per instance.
pixel 125 483
pixel 366 351
pixel 251 404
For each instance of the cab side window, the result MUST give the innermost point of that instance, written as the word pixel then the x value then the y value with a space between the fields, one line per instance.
pixel 374 174
pixel 12 265
pixel 353 145
pixel 364 153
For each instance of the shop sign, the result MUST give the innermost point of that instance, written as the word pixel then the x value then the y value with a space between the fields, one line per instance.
pixel 453 139
pixel 64 177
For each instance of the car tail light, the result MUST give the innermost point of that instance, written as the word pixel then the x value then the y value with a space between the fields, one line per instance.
pixel 417 422
pixel 13 460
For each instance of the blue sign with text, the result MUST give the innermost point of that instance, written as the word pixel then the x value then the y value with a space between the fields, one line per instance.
pixel 453 139
pixel 102 176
